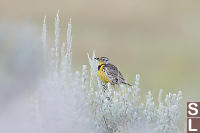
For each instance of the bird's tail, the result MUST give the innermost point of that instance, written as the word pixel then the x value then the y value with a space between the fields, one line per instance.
pixel 126 83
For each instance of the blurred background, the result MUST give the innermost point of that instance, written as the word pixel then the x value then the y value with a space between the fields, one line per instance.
pixel 158 39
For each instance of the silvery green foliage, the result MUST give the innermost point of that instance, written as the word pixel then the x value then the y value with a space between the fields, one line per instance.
pixel 149 109
pixel 80 102
pixel 168 113
pixel 57 34
pixel 59 99
pixel 163 117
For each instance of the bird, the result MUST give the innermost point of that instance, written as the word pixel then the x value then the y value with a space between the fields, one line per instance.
pixel 109 73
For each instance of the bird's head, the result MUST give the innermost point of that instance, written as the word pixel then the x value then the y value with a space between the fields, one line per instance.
pixel 103 60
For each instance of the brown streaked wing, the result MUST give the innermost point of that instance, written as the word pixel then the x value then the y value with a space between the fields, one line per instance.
pixel 113 73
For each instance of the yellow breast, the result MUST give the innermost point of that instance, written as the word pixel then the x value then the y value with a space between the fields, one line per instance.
pixel 102 74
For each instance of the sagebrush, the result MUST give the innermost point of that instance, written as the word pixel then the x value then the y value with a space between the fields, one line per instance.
pixel 77 102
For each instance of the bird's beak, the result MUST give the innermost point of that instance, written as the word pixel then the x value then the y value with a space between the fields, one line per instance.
pixel 96 59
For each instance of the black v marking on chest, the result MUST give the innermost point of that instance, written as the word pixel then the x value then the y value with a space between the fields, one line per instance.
pixel 100 66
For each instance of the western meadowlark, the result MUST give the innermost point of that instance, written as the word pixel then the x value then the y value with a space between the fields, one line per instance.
pixel 107 72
